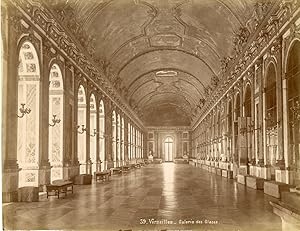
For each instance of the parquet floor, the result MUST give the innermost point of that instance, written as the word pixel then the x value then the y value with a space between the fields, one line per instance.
pixel 164 197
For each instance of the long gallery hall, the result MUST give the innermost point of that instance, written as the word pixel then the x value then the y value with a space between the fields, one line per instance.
pixel 150 115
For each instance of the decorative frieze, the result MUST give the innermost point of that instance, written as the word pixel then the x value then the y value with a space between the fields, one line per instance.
pixel 281 13
pixel 39 15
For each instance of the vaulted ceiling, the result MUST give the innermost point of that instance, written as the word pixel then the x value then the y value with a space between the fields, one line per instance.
pixel 162 55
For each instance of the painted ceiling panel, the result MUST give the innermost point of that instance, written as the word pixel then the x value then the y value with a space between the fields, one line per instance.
pixel 163 52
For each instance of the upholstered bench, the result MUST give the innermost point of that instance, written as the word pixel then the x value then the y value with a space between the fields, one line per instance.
pixel 104 175
pixel 83 179
pixel 125 168
pixel 59 186
pixel 28 194
pixel 116 170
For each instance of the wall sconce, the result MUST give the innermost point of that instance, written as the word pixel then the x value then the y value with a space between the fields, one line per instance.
pixel 54 121
pixel 83 129
pixel 95 133
pixel 23 110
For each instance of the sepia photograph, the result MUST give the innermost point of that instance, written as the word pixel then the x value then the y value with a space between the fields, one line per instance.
pixel 150 115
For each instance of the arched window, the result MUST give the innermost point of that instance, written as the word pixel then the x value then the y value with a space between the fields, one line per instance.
pixel 168 149
pixel 237 112
pixel 81 134
pixel 56 107
pixel 114 137
pixel 93 132
pixel 293 87
pixel 247 101
pixel 122 140
pixel 270 86
pixel 28 126
pixel 102 134
pixel 119 139
pixel 230 117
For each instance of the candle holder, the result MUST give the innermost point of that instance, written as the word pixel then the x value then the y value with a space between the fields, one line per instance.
pixel 23 110
pixel 54 121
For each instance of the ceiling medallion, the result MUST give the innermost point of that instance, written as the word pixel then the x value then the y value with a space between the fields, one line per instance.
pixel 166 73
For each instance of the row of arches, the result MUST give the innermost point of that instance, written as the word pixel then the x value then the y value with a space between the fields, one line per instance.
pixel 249 130
pixel 91 144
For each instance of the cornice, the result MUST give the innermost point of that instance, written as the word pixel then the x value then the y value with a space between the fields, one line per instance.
pixel 44 21
pixel 166 128
pixel 262 39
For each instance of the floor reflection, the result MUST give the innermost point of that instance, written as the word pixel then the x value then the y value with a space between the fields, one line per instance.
pixel 164 192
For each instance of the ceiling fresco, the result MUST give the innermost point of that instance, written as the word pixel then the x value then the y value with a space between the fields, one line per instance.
pixel 163 56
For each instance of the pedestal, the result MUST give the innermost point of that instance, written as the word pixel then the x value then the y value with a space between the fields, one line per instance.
pixel 254 182
pixel 263 172
pixel 83 179
pixel 241 179
pixel 45 175
pixel 70 172
pixel 10 179
pixel 28 194
pixel 224 173
pixel 242 170
pixel 213 170
pixel 275 189
pixel 252 169
pixel 281 176
pixel 110 164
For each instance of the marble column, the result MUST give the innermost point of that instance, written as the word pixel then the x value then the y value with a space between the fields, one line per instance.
pixel 277 51
pixel 10 172
pixel 126 154
pixel 108 140
pixel 71 164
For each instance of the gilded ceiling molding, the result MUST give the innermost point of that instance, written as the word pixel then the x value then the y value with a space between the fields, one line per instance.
pixel 262 39
pixel 44 21
pixel 165 49
pixel 160 69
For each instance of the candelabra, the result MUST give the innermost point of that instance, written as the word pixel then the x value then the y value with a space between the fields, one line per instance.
pixel 54 121
pixel 94 133
pixel 23 110
pixel 83 129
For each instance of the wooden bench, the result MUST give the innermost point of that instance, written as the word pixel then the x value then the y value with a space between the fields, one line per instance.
pixel 104 175
pixel 59 186
pixel 125 168
pixel 137 165
pixel 117 170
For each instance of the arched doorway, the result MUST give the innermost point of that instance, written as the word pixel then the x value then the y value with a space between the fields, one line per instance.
pixel 93 133
pixel 81 133
pixel 129 142
pixel 114 138
pixel 56 107
pixel 229 137
pixel 293 107
pixel 237 114
pixel 248 122
pixel 119 141
pixel 28 123
pixel 168 149
pixel 122 141
pixel 102 135
pixel 271 117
